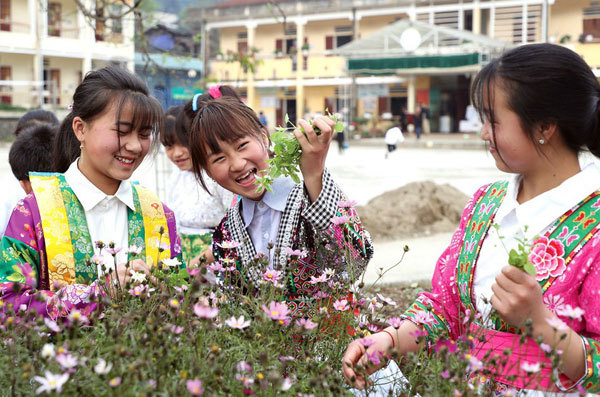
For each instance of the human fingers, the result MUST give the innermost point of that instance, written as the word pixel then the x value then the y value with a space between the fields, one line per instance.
pixel 515 274
pixel 505 283
pixel 353 354
pixel 309 132
pixel 326 126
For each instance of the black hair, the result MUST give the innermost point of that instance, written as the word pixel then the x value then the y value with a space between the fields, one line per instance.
pixel 545 84
pixel 35 116
pixel 32 150
pixel 99 89
pixel 225 119
pixel 174 132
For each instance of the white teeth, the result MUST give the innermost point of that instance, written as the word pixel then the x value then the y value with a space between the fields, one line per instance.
pixel 246 175
pixel 126 161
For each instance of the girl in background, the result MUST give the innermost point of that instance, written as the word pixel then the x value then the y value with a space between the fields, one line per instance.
pixel 49 241
pixel 197 211
pixel 541 108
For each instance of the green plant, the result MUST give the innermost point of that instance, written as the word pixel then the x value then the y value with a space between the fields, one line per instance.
pixel 288 152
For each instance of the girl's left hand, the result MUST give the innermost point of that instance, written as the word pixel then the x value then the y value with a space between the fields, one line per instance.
pixel 518 297
pixel 314 152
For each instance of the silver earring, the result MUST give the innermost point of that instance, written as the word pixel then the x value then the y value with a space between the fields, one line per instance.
pixel 541 141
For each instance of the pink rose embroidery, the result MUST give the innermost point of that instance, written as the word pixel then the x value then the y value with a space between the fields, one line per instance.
pixel 547 257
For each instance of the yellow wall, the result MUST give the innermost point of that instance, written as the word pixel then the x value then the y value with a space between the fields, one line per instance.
pixel 369 25
pixel 20 16
pixel 21 69
pixel 229 39
pixel 69 76
pixel 315 98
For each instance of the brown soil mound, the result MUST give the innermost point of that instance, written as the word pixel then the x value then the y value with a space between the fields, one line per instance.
pixel 417 209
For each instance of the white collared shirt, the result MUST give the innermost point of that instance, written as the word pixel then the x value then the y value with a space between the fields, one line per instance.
pixel 535 215
pixel 106 215
pixel 196 211
pixel 262 218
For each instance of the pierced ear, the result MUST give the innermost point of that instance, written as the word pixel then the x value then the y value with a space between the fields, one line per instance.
pixel 547 130
pixel 79 128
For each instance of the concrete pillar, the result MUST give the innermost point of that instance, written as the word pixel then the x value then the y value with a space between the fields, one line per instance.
pixel 300 68
pixel 251 90
pixel 476 18
pixel 411 94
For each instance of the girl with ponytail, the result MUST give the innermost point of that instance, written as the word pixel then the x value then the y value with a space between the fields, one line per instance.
pixel 539 104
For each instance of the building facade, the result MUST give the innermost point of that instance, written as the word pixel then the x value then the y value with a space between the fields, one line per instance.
pixel 299 69
pixel 47 46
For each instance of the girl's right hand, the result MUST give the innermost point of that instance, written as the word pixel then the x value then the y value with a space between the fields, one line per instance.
pixel 124 272
pixel 356 355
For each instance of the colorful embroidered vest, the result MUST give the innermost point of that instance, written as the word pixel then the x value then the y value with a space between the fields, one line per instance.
pixel 69 248
pixel 574 229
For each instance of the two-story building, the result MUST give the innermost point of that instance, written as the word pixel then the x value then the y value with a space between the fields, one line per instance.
pixel 301 69
pixel 47 46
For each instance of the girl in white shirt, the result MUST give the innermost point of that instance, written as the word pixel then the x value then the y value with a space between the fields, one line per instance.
pixel 541 108
pixel 49 243
pixel 197 211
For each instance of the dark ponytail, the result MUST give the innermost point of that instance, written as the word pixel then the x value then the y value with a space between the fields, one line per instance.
pixel 545 84
pixel 98 90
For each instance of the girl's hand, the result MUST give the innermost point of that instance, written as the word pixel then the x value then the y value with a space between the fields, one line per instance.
pixel 138 265
pixel 314 152
pixel 356 354
pixel 518 297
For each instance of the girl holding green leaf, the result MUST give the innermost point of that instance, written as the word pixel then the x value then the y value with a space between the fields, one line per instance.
pixel 527 289
pixel 288 222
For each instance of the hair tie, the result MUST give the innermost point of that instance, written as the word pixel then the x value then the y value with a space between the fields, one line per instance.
pixel 215 91
pixel 195 102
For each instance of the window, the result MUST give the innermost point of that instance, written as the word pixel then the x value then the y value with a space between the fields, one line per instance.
pixel 54 19
pixel 342 35
pixel 5 15
pixel 591 24
pixel 5 74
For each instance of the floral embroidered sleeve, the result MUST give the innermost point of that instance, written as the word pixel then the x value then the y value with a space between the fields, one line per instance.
pixel 24 271
pixel 437 313
pixel 173 236
pixel 339 223
pixel 588 299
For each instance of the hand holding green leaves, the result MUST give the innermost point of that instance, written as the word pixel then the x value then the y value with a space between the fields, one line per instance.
pixel 519 257
pixel 288 152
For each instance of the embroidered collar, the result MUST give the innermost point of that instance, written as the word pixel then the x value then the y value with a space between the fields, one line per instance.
pixel 541 211
pixel 282 187
pixel 89 195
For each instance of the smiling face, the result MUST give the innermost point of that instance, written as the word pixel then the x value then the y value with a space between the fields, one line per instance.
pixel 180 156
pixel 510 145
pixel 113 147
pixel 236 164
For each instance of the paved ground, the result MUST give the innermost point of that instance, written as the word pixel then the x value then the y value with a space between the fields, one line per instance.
pixel 363 173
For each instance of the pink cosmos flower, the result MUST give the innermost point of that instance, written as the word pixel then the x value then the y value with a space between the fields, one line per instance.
pixel 346 203
pixel 237 323
pixel 272 275
pixel 66 360
pixel 243 367
pixel 321 279
pixel 229 244
pixel 134 250
pixel 276 310
pixel 114 382
pixel 423 317
pixel 113 251
pixel 340 220
pixel 138 290
pixel 557 324
pixel 395 322
pixel 77 317
pixel 386 300
pixel 547 257
pixel 215 267
pixel 474 364
pixel 374 304
pixel 374 357
pixel 366 342
pixel 306 323
pixel 530 367
pixel 52 325
pixel 445 374
pixel 341 305
pixel 194 386
pixel 571 312
pixel 373 328
pixel 28 273
pixel 176 329
pixel 298 253
pixel 204 311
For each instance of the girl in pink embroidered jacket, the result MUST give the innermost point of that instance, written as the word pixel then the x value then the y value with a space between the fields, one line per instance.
pixel 540 109
pixel 228 142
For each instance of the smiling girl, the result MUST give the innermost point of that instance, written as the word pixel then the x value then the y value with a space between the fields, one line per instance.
pixel 541 108
pixel 229 143
pixel 48 243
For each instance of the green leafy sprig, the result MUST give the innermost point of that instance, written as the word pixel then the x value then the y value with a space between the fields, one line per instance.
pixel 519 257
pixel 288 152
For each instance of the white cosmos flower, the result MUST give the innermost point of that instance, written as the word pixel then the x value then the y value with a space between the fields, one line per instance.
pixel 137 277
pixel 48 350
pixel 172 262
pixel 51 382
pixel 102 368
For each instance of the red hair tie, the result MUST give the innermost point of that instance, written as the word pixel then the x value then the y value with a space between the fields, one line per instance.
pixel 215 91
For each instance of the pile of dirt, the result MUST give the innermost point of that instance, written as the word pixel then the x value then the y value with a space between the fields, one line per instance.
pixel 416 209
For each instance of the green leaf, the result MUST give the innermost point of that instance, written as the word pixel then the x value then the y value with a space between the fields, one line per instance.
pixel 529 268
pixel 339 126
